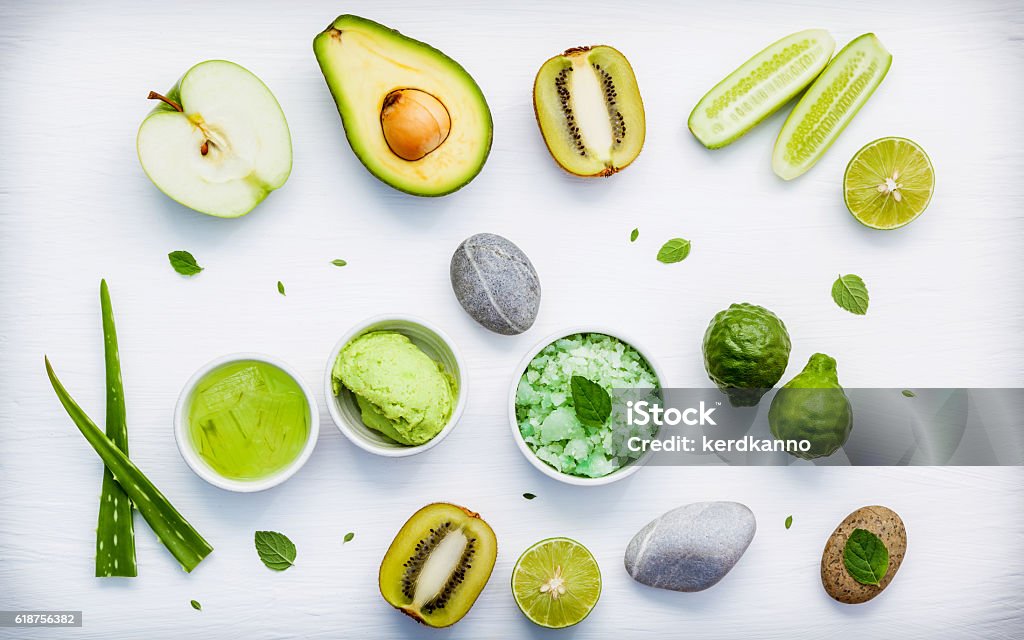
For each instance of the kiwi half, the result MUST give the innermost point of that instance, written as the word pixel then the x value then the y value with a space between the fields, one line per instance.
pixel 438 564
pixel 589 110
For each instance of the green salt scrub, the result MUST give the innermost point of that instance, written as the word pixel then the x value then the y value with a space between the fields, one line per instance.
pixel 545 413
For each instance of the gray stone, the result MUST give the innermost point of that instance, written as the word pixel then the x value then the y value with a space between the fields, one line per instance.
pixel 691 548
pixel 495 283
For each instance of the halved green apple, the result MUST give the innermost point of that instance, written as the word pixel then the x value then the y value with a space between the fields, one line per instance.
pixel 218 141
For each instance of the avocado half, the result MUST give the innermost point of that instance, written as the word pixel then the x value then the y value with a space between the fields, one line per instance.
pixel 414 117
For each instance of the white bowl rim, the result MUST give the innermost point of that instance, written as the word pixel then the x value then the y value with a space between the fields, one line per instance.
pixel 545 468
pixel 201 468
pixel 342 423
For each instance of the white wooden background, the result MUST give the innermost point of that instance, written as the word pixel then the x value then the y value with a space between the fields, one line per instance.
pixel 946 310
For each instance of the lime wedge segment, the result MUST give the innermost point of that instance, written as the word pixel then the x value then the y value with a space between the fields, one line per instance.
pixel 888 183
pixel 556 583
pixel 829 105
pixel 760 86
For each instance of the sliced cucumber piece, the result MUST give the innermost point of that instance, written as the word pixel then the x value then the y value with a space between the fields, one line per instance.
pixel 760 86
pixel 829 105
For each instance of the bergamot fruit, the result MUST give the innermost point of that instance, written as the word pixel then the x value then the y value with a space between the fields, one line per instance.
pixel 813 407
pixel 746 349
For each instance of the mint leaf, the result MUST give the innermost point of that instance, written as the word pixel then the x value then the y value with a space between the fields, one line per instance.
pixel 866 557
pixel 592 403
pixel 184 263
pixel 280 287
pixel 348 537
pixel 197 606
pixel 789 522
pixel 850 293
pixel 275 549
pixel 675 250
pixel 634 234
pixel 529 496
pixel 339 262
pixel 908 393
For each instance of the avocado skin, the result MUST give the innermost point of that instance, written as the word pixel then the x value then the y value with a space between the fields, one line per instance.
pixel 336 29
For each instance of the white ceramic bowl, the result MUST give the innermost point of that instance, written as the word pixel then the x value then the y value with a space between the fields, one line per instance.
pixel 204 470
pixel 435 343
pixel 544 467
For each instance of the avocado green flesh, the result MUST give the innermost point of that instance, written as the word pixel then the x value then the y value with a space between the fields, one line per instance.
pixel 829 105
pixel 607 127
pixel 363 62
pixel 760 86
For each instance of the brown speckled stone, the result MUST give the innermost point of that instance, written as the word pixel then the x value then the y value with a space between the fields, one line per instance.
pixel 882 522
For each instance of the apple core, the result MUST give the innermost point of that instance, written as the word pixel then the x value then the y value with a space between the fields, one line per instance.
pixel 153 95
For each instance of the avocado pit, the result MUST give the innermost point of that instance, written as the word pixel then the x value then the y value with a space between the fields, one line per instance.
pixel 414 123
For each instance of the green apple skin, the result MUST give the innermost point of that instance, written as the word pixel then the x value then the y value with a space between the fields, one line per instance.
pixel 231 113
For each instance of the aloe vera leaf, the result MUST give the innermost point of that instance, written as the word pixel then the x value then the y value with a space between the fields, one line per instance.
pixel 760 86
pixel 184 542
pixel 115 530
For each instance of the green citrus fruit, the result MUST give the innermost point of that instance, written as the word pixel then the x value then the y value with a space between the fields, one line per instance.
pixel 556 582
pixel 746 350
pixel 813 407
pixel 889 183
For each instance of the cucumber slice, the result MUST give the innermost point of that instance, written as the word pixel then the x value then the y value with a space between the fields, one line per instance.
pixel 760 86
pixel 829 105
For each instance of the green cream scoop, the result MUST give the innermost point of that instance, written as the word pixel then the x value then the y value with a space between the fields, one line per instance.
pixel 401 391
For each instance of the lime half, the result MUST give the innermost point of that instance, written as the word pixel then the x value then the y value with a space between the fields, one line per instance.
pixel 556 582
pixel 889 183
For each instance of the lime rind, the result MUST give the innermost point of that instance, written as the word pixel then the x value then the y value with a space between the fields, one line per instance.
pixel 829 105
pixel 759 87
pixel 538 565
pixel 888 183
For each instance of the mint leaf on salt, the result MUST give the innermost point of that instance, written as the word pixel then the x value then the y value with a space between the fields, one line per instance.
pixel 592 403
